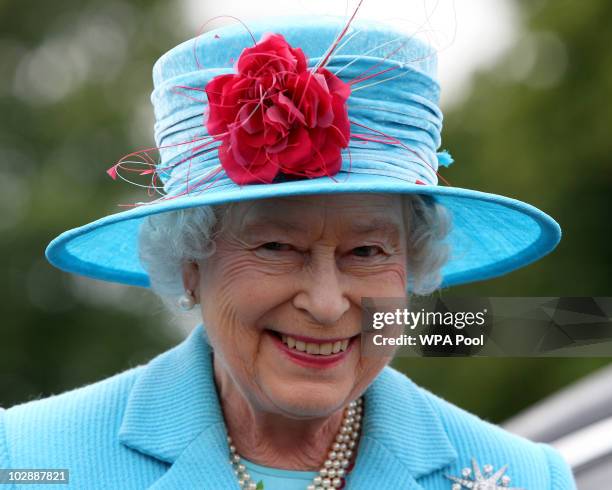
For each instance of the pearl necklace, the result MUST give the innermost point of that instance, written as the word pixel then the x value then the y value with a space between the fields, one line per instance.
pixel 335 467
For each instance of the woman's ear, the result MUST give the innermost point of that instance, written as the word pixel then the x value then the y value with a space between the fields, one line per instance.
pixel 191 277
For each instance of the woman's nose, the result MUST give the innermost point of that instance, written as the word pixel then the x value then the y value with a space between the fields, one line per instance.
pixel 322 294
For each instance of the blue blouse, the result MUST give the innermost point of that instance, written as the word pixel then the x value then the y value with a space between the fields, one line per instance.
pixel 160 426
pixel 277 479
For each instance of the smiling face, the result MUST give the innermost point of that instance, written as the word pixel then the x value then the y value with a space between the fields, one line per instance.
pixel 281 296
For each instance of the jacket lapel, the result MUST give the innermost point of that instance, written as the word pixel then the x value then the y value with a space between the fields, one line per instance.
pixel 402 439
pixel 204 464
pixel 173 414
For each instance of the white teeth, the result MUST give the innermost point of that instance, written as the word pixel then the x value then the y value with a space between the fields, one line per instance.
pixel 324 349
pixel 312 348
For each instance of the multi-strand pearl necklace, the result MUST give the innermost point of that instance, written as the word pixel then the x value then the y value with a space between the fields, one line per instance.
pixel 335 467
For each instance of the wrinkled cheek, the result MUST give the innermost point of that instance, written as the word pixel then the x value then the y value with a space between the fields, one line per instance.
pixel 391 282
pixel 226 289
pixel 236 344
pixel 368 368
pixel 400 276
pixel 232 331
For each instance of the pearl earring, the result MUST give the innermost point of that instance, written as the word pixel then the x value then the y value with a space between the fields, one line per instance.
pixel 186 302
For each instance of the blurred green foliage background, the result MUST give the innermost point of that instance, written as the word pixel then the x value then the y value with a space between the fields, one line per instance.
pixel 74 87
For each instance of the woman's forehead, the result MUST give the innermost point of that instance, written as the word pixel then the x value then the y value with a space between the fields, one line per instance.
pixel 358 213
pixel 345 203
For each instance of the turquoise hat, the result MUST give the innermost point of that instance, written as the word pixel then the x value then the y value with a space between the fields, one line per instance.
pixel 378 131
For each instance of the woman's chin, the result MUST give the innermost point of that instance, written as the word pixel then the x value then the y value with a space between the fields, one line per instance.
pixel 308 399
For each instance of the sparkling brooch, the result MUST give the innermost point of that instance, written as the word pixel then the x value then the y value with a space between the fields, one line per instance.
pixel 476 479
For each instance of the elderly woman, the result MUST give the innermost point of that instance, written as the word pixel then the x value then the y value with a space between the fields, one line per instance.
pixel 310 185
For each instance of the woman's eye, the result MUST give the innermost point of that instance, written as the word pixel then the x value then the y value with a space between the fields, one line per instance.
pixel 367 251
pixel 277 246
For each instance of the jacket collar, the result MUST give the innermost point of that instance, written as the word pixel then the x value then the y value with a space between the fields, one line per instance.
pixel 173 414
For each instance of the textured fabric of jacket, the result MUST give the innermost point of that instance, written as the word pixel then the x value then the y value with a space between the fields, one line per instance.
pixel 160 426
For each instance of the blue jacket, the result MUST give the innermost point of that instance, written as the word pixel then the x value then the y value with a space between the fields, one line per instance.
pixel 160 426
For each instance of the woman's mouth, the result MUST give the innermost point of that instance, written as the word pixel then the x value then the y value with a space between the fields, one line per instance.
pixel 322 349
pixel 311 352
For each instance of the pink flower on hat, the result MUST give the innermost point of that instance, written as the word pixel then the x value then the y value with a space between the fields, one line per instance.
pixel 275 116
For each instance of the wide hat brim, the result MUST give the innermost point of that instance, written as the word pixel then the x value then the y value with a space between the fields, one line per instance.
pixel 491 235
